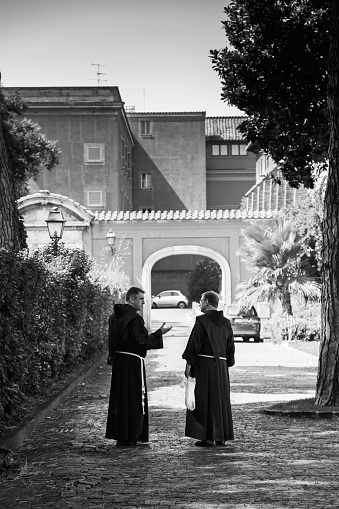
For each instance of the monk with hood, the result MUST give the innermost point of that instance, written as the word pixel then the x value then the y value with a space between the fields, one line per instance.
pixel 208 354
pixel 127 420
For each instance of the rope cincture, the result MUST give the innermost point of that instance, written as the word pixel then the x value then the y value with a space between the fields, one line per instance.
pixel 211 356
pixel 142 361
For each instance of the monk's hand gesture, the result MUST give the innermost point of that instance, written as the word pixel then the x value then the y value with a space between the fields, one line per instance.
pixel 165 329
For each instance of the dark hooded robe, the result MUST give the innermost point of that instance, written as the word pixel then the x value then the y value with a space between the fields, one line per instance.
pixel 127 419
pixel 211 336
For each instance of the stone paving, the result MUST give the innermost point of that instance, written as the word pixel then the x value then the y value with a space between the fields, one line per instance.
pixel 274 462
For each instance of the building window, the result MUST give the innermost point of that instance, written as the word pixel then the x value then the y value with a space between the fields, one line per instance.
pixel 94 153
pixel 95 199
pixel 145 128
pixel 146 181
pixel 219 150
pixel 239 149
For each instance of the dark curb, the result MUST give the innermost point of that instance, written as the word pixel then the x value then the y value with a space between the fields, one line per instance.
pixel 316 414
pixel 15 436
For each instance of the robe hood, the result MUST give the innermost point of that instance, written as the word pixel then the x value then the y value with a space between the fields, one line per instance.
pixel 211 319
pixel 123 314
pixel 121 310
pixel 217 317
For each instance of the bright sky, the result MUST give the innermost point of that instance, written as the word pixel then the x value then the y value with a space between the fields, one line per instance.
pixel 155 51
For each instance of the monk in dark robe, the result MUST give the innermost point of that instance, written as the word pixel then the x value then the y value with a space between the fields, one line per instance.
pixel 208 354
pixel 127 420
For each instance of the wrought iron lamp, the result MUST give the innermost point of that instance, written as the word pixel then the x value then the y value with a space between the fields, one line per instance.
pixel 55 224
pixel 111 240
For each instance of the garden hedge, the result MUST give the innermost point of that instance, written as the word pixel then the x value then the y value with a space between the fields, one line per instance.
pixel 52 317
pixel 304 325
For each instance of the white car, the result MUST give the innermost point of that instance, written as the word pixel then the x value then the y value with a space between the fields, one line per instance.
pixel 170 299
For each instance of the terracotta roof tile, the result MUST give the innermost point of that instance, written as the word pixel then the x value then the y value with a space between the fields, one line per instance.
pixel 223 128
pixel 180 215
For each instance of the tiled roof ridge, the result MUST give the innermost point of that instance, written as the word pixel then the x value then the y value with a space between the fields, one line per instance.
pixel 162 215
pixel 224 128
pixel 177 215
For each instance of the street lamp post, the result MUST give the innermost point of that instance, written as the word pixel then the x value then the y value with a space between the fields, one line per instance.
pixel 111 240
pixel 55 224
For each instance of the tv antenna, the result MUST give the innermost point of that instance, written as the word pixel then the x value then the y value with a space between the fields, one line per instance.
pixel 99 73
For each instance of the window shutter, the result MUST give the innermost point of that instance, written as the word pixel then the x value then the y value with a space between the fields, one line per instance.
pixel 94 154
pixel 94 198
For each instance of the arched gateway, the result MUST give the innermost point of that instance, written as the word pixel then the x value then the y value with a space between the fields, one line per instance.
pixel 148 237
pixel 184 250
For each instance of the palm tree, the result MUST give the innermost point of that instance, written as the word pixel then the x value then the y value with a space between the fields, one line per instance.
pixel 274 250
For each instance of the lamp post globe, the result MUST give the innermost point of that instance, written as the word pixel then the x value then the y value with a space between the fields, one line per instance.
pixel 55 224
pixel 111 240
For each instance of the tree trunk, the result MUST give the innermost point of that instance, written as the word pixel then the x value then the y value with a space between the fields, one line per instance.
pixel 9 216
pixel 286 303
pixel 328 370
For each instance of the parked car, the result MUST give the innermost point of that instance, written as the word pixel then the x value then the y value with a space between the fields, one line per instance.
pixel 245 323
pixel 169 299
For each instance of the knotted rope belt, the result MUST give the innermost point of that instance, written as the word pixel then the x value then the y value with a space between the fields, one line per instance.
pixel 142 362
pixel 211 356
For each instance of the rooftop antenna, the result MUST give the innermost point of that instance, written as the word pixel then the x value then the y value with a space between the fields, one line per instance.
pixel 99 73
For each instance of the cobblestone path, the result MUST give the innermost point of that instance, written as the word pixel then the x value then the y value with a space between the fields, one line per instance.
pixel 274 462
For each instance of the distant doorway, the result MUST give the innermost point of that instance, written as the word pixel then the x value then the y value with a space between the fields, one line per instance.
pixel 171 273
pixel 183 250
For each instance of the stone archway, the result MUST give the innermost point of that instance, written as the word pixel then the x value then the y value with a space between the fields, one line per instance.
pixel 79 222
pixel 182 250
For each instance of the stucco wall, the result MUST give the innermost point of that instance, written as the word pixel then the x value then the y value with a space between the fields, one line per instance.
pixel 76 116
pixel 175 156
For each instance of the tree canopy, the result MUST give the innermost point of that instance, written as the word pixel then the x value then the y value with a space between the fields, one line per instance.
pixel 306 217
pixel 205 276
pixel 28 150
pixel 23 153
pixel 275 70
pixel 282 70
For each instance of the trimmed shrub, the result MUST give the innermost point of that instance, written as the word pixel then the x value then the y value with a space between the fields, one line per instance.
pixel 52 317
